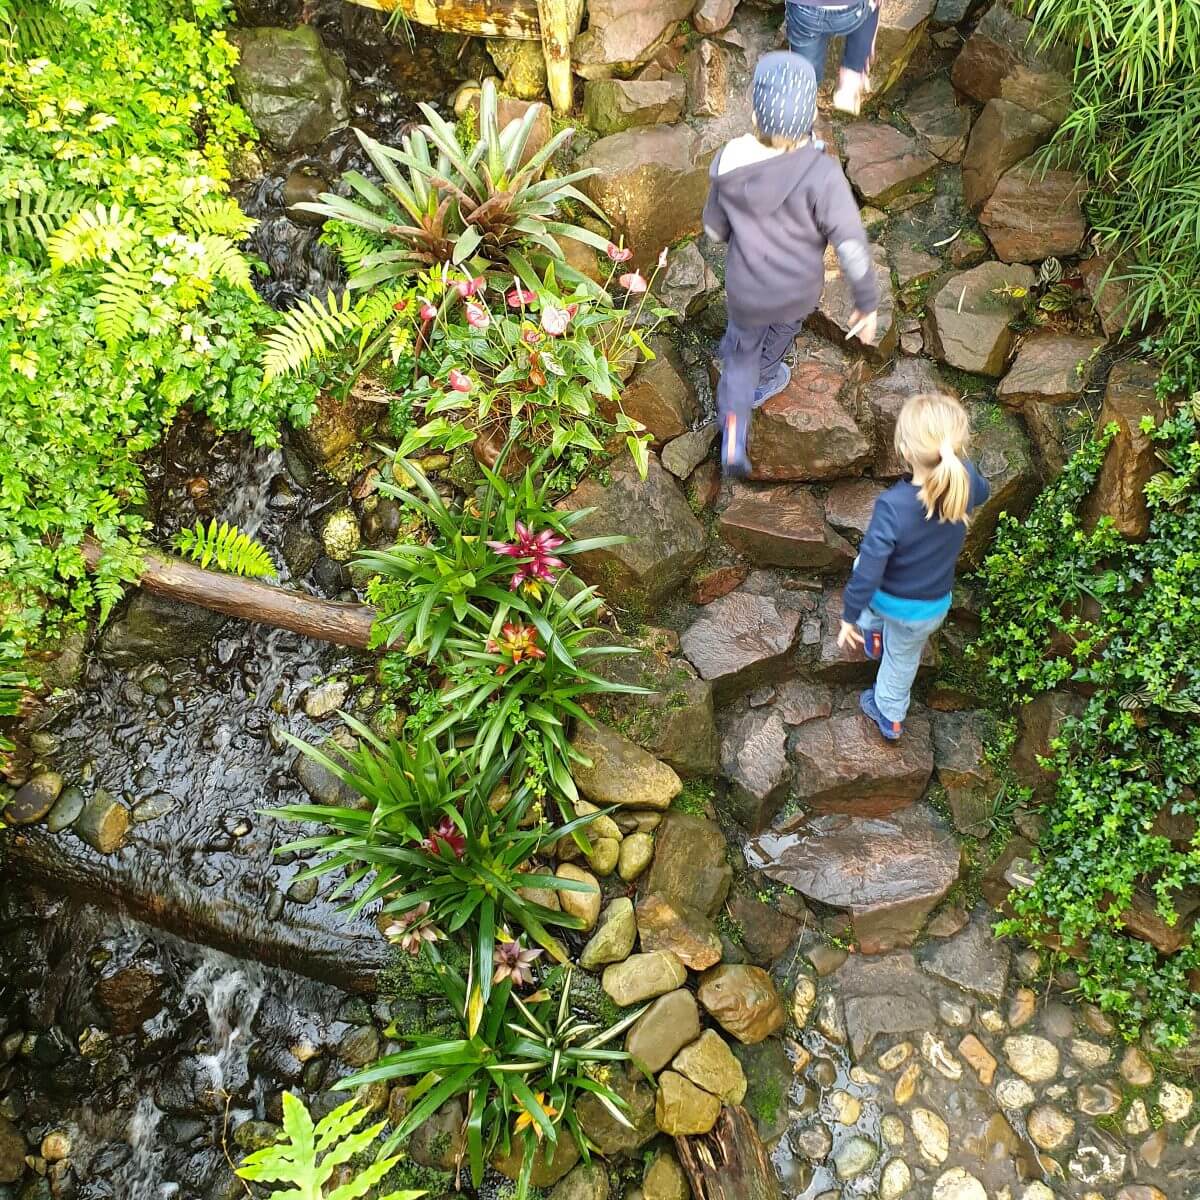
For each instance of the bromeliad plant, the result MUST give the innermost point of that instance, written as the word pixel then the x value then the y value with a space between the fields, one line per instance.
pixel 446 845
pixel 520 1074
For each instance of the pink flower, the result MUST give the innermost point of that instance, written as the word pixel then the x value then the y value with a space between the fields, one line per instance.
pixel 538 549
pixel 513 962
pixel 460 382
pixel 530 336
pixel 411 930
pixel 555 320
pixel 618 254
pixel 466 288
pixel 662 258
pixel 445 834
pixel 518 297
pixel 633 282
pixel 428 311
pixel 477 316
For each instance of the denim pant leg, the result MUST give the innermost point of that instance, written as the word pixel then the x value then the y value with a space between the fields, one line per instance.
pixel 775 346
pixel 860 42
pixel 809 28
pixel 903 643
pixel 741 358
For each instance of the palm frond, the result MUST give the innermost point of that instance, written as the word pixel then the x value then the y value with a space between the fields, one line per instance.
pixel 228 547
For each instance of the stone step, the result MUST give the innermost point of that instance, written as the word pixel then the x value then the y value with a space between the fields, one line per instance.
pixel 783 527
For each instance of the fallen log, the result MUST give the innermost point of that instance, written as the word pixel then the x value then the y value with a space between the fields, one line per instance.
pixel 729 1162
pixel 345 624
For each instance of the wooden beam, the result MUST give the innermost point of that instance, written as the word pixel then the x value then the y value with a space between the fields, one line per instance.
pixel 477 18
pixel 730 1162
pixel 251 599
pixel 560 20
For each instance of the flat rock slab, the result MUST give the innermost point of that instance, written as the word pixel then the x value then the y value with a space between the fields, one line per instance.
pixel 844 766
pixel 974 959
pixel 783 527
pixel 740 641
pixel 884 163
pixel 1050 368
pixel 666 542
pixel 884 996
pixel 614 105
pixel 1005 134
pixel 939 121
pixel 849 505
pixel 967 325
pixel 885 396
pixel 833 316
pixel 888 873
pixel 808 432
pixel 1035 214
pixel 754 760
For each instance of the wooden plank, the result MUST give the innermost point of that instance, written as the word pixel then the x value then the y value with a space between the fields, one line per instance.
pixel 477 18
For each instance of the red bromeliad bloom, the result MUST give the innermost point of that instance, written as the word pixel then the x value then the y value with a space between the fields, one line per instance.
pixel 633 282
pixel 516 642
pixel 458 381
pixel 445 833
pixel 618 254
pixel 518 297
pixel 539 549
pixel 477 316
pixel 428 311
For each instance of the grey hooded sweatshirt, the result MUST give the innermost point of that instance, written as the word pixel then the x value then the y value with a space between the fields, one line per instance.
pixel 778 214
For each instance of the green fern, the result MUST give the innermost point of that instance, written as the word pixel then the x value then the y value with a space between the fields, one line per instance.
pixel 308 1157
pixel 94 233
pixel 217 214
pixel 227 546
pixel 308 332
pixel 27 221
pixel 120 300
pixel 226 261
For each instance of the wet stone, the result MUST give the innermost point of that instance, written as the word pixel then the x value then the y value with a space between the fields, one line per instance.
pixel 969 315
pixel 682 455
pixel 854 1157
pixel 1136 1068
pixel 940 123
pixel 614 939
pixel 883 163
pixel 743 1000
pixel 582 904
pixel 621 773
pixel 668 1025
pixel 643 977
pixel 1137 1119
pixel 689 863
pixel 833 318
pixel 152 808
pixel 1175 1102
pixel 33 800
pixel 1097 1099
pixel 783 527
pixel 896 1180
pixel 1050 368
pixel 1090 1055
pixel 1003 136
pixel 957 1184
pixel 1014 1093
pixel 103 823
pixel 932 1136
pixel 1049 1127
pixel 710 1064
pixel 1033 1058
pixel 813 1143
pixel 974 960
pixel 754 760
pixel 954 1013
pixel 979 1058
pixel 669 925
pixel 66 809
pixel 682 1108
pixel 1035 214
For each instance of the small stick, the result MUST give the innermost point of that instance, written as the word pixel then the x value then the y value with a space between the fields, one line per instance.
pixel 857 328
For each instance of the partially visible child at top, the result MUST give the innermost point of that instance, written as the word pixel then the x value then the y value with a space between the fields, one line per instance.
pixel 899 591
pixel 778 199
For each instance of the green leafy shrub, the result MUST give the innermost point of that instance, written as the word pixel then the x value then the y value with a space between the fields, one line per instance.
pixel 1134 115
pixel 1069 605
pixel 227 546
pixel 123 296
pixel 308 1155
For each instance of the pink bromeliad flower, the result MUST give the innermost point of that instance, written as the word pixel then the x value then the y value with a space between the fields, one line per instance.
pixel 445 833
pixel 458 381
pixel 618 254
pixel 477 316
pixel 538 549
pixel 633 282
pixel 518 297
pixel 411 930
pixel 428 311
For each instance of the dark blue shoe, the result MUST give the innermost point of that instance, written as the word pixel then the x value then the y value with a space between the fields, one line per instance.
pixel 734 460
pixel 873 644
pixel 890 729
pixel 780 377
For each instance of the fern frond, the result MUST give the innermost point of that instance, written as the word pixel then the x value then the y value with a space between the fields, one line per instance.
pixel 94 233
pixel 217 214
pixel 352 245
pixel 376 309
pixel 309 331
pixel 120 302
pixel 226 261
pixel 27 222
pixel 34 33
pixel 227 546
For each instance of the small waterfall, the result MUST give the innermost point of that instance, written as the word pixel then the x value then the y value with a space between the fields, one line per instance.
pixel 231 992
pixel 143 1173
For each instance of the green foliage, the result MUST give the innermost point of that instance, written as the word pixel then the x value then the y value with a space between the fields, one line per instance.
pixel 1069 605
pixel 115 315
pixel 1132 125
pixel 227 546
pixel 520 1074
pixel 309 1155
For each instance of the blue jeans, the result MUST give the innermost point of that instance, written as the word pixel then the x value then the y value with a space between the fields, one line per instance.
pixel 903 643
pixel 809 28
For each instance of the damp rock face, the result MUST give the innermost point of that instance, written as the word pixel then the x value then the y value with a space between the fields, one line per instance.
pixel 622 773
pixel 623 34
pixel 1034 214
pixel 883 163
pixel 152 629
pixel 294 90
pixel 969 314
pixel 783 527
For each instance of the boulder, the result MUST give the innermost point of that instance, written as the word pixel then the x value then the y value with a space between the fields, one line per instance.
pixel 711 16
pixel 901 26
pixel 682 1108
pixel 974 959
pixel 798 701
pixel 294 90
pixel 888 873
pixel 667 1025
pixel 884 163
pixel 1050 368
pixel 770 1080
pixel 710 1064
pixel 1004 135
pixel 743 1000
pixel 765 931
pixel 623 34
pixel 154 629
pixel 686 932
pixel 1055 433
pixel 842 765
pixel 1131 461
pixel 1001 451
pixel 614 938
pixel 337 424
pixel 754 760
pixel 685 287
pixel 885 396
pixel 522 66
pixel 913 266
pixel 939 121
pixel 808 431
pixel 707 74
pixel 664 1179
pixel 1000 48
pixel 783 527
pixel 883 996
pixel 550 1163
pixel 689 865
pixel 34 799
pixel 643 977
pixel 969 780
pixel 660 395
pixel 584 905
pixel 740 641
pixel 683 455
pixel 622 773
pixel 588 1181
pixel 1034 214
pixel 1109 293
pixel 832 318
pixel 131 995
pixel 968 316
pixel 665 539
pixel 849 505
pixel 611 1136
pixel 651 183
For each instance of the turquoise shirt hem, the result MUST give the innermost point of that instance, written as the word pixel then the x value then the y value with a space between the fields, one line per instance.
pixel 900 608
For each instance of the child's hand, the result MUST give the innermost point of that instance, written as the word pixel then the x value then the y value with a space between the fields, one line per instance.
pixel 848 636
pixel 869 321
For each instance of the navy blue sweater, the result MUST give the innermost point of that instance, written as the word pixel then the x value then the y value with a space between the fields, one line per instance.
pixel 905 554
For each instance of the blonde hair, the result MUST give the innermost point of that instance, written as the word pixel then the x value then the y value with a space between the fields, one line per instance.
pixel 932 432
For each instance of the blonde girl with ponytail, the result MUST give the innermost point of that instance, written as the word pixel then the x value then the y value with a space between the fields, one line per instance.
pixel 900 589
